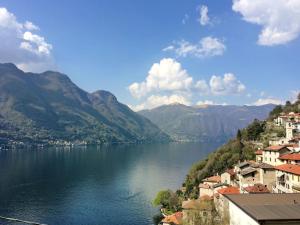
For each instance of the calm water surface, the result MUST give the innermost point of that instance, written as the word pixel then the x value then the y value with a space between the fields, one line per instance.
pixel 99 185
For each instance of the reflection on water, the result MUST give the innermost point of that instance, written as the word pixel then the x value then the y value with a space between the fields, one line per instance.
pixel 97 185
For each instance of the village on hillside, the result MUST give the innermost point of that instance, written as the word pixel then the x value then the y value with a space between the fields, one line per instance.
pixel 261 191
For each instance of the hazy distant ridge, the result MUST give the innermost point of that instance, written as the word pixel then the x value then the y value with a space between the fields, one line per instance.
pixel 212 122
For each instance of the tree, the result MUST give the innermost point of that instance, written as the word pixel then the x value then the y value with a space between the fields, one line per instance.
pixel 254 130
pixel 276 111
pixel 162 198
pixel 239 135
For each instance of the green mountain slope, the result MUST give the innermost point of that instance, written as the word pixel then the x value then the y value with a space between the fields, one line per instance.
pixel 240 148
pixel 49 106
pixel 215 122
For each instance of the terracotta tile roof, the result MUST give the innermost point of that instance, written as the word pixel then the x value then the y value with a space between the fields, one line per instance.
pixel 275 148
pixel 229 191
pixel 258 152
pixel 175 218
pixel 257 188
pixel 290 168
pixel 291 156
pixel 213 179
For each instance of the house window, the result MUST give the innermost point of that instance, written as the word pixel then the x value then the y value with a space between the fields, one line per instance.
pixel 270 159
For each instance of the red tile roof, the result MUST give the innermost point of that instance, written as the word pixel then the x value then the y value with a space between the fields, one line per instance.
pixel 257 188
pixel 275 148
pixel 213 179
pixel 258 152
pixel 290 168
pixel 229 191
pixel 291 156
pixel 175 218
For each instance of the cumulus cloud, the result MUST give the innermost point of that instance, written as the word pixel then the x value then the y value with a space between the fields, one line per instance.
pixel 21 46
pixel 154 101
pixel 167 75
pixel 265 101
pixel 204 18
pixel 280 19
pixel 167 82
pixel 228 84
pixel 206 47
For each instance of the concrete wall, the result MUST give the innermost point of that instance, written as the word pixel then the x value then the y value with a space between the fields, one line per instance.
pixel 205 191
pixel 225 178
pixel 267 177
pixel 238 217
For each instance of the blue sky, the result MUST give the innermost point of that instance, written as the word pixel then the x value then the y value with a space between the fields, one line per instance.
pixel 236 54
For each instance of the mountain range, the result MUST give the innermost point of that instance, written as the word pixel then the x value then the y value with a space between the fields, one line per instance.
pixel 205 123
pixel 49 106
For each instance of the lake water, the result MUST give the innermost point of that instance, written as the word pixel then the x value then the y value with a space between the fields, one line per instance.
pixel 111 185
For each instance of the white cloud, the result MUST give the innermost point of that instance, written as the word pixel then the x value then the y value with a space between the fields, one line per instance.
pixel 280 19
pixel 202 87
pixel 204 18
pixel 206 47
pixel 30 26
pixel 167 82
pixel 265 101
pixel 167 75
pixel 20 46
pixel 169 48
pixel 228 84
pixel 154 101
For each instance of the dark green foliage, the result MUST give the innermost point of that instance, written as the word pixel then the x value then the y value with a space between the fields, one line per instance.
pixel 275 112
pixel 168 200
pixel 48 106
pixel 239 135
pixel 254 130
